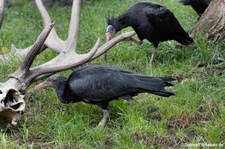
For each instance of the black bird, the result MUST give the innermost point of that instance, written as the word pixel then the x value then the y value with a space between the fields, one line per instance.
pixel 99 85
pixel 150 21
pixel 198 5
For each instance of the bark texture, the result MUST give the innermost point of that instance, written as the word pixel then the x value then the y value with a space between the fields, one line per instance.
pixel 212 23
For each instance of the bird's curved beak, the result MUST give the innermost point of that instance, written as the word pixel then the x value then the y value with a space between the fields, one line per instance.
pixel 39 86
pixel 110 32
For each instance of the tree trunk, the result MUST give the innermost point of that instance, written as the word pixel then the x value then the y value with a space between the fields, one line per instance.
pixel 212 23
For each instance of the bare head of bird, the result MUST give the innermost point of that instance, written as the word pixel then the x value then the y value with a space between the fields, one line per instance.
pixel 49 82
pixel 110 32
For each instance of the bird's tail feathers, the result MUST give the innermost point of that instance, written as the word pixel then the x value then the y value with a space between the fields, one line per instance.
pixel 164 93
pixel 155 85
pixel 168 80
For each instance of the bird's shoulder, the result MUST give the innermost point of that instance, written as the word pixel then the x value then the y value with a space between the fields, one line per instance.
pixel 98 82
pixel 98 70
pixel 97 74
pixel 148 8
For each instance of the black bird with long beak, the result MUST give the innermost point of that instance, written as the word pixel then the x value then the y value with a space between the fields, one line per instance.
pixel 99 85
pixel 150 21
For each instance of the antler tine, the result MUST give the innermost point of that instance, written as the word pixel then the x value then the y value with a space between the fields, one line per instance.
pixel 74 25
pixel 36 48
pixel 105 47
pixel 63 61
pixel 1 12
pixel 53 41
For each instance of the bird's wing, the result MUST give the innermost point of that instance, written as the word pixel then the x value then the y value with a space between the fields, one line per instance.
pixel 158 14
pixel 99 83
pixel 167 26
pixel 102 83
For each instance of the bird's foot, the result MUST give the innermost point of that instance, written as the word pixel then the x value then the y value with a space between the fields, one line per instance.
pixel 101 125
pixel 103 122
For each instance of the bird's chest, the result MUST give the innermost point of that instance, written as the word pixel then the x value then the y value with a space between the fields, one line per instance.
pixel 146 32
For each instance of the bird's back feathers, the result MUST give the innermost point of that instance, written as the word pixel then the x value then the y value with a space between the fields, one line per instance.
pixel 98 83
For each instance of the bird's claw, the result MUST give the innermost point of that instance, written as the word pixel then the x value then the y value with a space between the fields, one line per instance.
pixel 103 122
pixel 101 125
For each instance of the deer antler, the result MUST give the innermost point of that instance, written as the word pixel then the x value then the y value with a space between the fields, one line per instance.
pixel 10 91
pixel 53 41
pixel 68 58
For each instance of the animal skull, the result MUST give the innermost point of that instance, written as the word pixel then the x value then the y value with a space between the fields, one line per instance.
pixel 12 104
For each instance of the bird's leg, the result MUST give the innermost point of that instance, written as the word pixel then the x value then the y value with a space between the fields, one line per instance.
pixel 102 123
pixel 153 55
pixel 105 110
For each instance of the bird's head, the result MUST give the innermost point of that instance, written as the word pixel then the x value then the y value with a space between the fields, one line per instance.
pixel 111 29
pixel 110 32
pixel 52 81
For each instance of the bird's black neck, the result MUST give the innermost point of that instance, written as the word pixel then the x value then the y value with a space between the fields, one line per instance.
pixel 59 86
pixel 119 22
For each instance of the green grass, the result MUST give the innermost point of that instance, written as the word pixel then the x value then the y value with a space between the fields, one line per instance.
pixel 195 115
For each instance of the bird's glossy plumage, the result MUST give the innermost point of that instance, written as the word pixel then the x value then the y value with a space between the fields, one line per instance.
pixel 198 5
pixel 153 22
pixel 99 85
